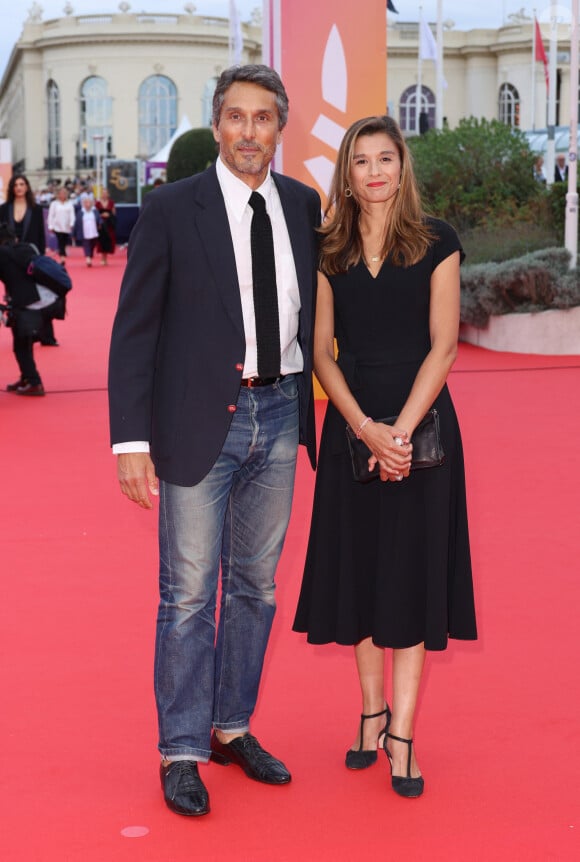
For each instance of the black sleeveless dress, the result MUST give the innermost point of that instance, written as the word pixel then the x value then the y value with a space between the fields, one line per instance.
pixel 388 560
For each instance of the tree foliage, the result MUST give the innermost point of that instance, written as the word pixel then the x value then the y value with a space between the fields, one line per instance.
pixel 191 153
pixel 478 173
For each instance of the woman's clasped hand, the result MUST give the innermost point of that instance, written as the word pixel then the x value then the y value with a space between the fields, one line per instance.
pixel 393 457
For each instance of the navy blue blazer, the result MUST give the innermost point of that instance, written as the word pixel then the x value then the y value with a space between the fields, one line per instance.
pixel 178 345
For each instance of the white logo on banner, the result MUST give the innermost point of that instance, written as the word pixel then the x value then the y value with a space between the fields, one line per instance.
pixel 334 92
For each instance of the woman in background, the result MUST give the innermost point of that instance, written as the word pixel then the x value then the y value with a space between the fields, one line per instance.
pixel 61 220
pixel 22 213
pixel 87 225
pixel 107 240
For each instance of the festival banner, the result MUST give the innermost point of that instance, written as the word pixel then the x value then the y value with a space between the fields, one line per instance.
pixel 333 61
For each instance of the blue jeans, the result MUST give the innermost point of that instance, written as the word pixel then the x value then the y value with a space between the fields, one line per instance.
pixel 237 515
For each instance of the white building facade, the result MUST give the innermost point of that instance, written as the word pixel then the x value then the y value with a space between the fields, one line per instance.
pixel 490 74
pixel 84 87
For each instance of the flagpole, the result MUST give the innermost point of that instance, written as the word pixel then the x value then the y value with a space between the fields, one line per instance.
pixel 419 77
pixel 267 50
pixel 551 145
pixel 534 72
pixel 439 105
pixel 571 231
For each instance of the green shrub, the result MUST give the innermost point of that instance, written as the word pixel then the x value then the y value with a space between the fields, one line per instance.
pixel 191 153
pixel 479 173
pixel 534 282
pixel 479 177
pixel 513 239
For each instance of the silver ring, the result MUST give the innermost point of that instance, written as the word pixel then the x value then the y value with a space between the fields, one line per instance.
pixel 398 441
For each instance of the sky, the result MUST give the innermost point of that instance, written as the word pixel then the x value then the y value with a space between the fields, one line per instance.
pixel 466 14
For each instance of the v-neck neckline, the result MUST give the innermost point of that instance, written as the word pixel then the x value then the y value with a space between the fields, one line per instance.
pixel 368 269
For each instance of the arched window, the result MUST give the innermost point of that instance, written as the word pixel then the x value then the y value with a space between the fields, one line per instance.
pixel 509 105
pixel 157 113
pixel 207 101
pixel 408 119
pixel 54 156
pixel 96 130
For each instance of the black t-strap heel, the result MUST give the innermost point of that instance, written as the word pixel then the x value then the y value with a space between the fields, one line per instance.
pixel 361 758
pixel 404 785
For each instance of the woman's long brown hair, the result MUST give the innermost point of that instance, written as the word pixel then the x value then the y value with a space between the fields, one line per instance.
pixel 407 235
pixel 10 196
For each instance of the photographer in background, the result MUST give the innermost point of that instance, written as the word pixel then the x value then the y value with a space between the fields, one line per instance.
pixel 29 309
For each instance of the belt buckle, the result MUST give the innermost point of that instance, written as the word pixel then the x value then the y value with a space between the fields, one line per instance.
pixel 253 382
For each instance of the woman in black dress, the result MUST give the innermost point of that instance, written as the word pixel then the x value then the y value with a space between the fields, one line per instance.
pixel 107 240
pixel 388 562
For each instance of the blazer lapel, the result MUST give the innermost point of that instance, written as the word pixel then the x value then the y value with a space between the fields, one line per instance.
pixel 212 223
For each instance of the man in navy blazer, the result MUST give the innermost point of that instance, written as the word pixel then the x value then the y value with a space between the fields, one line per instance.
pixel 192 421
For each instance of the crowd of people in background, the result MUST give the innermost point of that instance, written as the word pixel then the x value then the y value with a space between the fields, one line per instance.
pixel 82 213
pixel 75 186
pixel 49 220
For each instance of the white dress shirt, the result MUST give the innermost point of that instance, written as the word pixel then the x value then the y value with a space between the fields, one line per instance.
pixel 236 196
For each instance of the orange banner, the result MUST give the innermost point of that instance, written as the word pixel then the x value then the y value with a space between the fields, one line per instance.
pixel 332 57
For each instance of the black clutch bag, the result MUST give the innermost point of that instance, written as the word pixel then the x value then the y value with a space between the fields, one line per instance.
pixel 427 448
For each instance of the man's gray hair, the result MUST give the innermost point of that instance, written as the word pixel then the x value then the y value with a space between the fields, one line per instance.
pixel 252 73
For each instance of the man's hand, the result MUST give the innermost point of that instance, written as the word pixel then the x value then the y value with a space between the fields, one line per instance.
pixel 137 478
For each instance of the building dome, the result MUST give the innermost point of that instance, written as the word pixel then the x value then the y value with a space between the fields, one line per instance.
pixel 83 87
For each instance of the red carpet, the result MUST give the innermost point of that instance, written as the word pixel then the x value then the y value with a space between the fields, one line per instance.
pixel 498 728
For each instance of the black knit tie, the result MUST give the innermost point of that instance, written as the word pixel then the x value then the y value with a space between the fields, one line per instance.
pixel 265 293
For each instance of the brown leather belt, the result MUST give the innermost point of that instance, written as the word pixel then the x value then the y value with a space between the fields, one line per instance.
pixel 251 382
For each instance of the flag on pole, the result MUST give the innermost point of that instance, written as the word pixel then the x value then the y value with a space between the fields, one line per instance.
pixel 391 8
pixel 541 54
pixel 236 38
pixel 428 45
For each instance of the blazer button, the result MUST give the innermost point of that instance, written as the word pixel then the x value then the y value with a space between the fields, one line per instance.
pixel 240 366
pixel 232 408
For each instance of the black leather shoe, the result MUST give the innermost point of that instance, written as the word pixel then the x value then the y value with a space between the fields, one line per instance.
pixel 12 387
pixel 50 342
pixel 30 389
pixel 247 752
pixel 184 791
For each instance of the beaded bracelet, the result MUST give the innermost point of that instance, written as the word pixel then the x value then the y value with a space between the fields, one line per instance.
pixel 361 426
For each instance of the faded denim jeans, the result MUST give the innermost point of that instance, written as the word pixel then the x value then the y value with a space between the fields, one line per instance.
pixel 237 516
